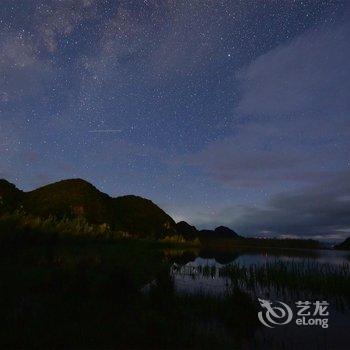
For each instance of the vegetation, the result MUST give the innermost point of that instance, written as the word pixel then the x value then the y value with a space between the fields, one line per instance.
pixel 326 279
pixel 58 299
pixel 20 229
pixel 179 239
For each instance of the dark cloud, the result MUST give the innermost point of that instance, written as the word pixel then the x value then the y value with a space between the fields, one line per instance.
pixel 319 211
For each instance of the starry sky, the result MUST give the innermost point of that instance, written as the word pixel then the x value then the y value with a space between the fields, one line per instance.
pixel 221 112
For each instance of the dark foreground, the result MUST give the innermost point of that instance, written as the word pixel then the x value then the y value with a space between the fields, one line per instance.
pixel 93 296
pixel 86 297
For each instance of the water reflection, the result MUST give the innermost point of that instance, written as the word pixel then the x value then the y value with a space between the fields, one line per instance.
pixel 202 271
pixel 199 276
pixel 249 256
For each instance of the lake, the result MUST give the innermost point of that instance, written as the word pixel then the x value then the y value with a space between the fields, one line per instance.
pixel 287 276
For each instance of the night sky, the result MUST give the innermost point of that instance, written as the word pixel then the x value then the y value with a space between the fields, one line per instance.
pixel 221 112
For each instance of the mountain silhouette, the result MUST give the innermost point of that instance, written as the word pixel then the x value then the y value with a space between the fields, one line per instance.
pixel 78 198
pixel 10 196
pixel 345 245
pixel 189 231
pixel 219 232
pixel 74 198
pixel 186 230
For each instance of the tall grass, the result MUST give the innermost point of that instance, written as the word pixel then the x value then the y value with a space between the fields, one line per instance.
pixel 20 228
pixel 179 239
pixel 322 278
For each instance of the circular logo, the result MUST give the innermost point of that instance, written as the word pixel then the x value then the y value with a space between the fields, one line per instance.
pixel 275 313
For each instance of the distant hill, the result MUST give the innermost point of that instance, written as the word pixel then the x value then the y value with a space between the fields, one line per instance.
pixel 186 230
pixel 70 198
pixel 344 245
pixel 189 232
pixel 78 198
pixel 139 215
pixel 219 232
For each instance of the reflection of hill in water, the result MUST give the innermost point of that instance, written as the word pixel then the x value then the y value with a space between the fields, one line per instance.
pixel 182 257
pixel 179 256
pixel 222 257
pixel 228 256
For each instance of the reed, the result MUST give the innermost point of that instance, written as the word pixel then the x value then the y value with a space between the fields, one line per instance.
pixel 295 276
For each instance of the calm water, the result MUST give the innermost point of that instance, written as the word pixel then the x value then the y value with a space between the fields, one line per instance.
pixel 321 256
pixel 187 269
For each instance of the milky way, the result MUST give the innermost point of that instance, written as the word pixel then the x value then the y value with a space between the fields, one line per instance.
pixel 221 112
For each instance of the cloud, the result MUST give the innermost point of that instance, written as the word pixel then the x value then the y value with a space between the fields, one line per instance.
pixel 287 145
pixel 305 75
pixel 318 212
pixel 292 119
pixel 322 210
pixel 26 53
pixel 150 36
pixel 59 19
pixel 22 69
pixel 17 52
pixel 273 155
